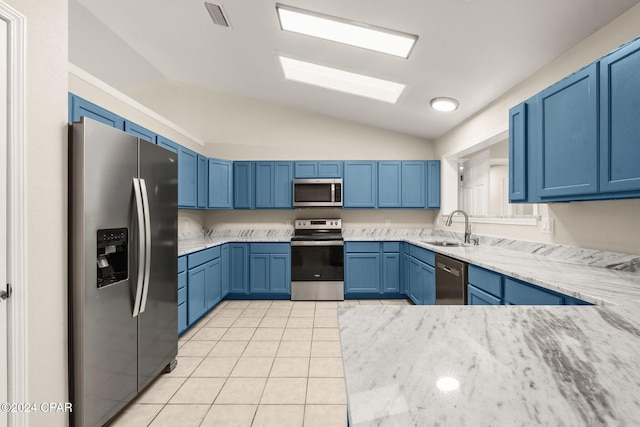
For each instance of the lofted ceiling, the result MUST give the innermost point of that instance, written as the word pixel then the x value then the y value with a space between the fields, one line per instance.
pixel 472 50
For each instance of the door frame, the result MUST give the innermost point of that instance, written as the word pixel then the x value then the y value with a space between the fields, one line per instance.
pixel 16 210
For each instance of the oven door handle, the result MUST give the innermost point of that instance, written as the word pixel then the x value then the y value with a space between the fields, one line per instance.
pixel 317 243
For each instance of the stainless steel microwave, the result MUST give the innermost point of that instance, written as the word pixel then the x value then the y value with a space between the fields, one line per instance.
pixel 321 192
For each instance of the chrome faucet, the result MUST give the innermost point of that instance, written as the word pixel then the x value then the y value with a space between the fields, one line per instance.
pixel 467 226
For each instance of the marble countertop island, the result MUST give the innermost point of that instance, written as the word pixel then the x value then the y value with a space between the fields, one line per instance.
pixel 515 366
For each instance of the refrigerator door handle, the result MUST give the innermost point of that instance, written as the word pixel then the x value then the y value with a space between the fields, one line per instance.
pixel 147 242
pixel 141 246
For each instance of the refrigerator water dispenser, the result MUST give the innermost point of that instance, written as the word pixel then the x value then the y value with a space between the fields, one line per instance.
pixel 113 256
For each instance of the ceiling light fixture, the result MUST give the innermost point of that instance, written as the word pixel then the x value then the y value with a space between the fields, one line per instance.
pixel 344 31
pixel 342 81
pixel 444 104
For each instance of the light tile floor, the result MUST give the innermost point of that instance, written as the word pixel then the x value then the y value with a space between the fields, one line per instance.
pixel 253 363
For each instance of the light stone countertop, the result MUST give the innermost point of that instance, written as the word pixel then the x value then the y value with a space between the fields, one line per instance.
pixel 516 365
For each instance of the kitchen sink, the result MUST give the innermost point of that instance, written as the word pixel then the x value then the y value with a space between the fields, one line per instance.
pixel 443 243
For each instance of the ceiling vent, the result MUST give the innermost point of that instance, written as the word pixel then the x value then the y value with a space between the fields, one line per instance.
pixel 217 14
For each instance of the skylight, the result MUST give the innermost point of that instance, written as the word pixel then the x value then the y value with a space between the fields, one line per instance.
pixel 344 31
pixel 342 81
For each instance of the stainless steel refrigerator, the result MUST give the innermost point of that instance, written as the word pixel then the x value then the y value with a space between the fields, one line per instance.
pixel 122 268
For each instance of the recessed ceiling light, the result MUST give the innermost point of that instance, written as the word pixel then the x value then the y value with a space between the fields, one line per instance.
pixel 444 104
pixel 447 384
pixel 342 81
pixel 344 31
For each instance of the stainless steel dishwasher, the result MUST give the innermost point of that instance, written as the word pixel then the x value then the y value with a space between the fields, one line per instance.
pixel 451 281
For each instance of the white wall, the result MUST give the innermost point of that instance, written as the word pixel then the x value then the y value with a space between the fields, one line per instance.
pixel 46 199
pixel 606 225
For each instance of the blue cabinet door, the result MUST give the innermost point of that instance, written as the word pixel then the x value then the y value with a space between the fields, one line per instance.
pixel 362 272
pixel 203 182
pixel 183 322
pixel 139 131
pixel 79 107
pixel 521 293
pixel 360 184
pixel 273 185
pixel 476 296
pixel 305 169
pixel 518 153
pixel 317 169
pixel 280 273
pixel 224 256
pixel 428 280
pixel 238 268
pixel 414 287
pixel 259 273
pixel 214 282
pixel 282 185
pixel 390 186
pixel 619 120
pixel 220 179
pixel 196 293
pixel 329 169
pixel 433 184
pixel 413 184
pixel 567 137
pixel 168 144
pixel 391 272
pixel 187 178
pixel 243 185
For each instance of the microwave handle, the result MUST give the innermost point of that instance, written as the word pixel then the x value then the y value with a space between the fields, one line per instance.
pixel 333 192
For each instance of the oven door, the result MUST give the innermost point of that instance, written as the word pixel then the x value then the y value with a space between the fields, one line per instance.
pixel 317 261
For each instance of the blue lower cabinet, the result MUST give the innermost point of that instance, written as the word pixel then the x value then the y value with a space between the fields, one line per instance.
pixel 238 269
pixel 391 272
pixel 521 293
pixel 214 282
pixel 270 270
pixel 362 273
pixel 477 297
pixel 414 287
pixel 224 256
pixel 420 277
pixel 196 293
pixel 183 322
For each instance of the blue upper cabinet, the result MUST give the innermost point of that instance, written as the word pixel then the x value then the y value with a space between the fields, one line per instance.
pixel 139 131
pixel 168 144
pixel 620 120
pixel 518 153
pixel 390 188
pixel 203 182
pixel 360 184
pixel 187 178
pixel 413 184
pixel 433 184
pixel 318 169
pixel 568 136
pixel 273 184
pixel 579 139
pixel 220 180
pixel 79 107
pixel 243 185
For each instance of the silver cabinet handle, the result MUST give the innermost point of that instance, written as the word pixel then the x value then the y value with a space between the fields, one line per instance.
pixel 147 245
pixel 141 247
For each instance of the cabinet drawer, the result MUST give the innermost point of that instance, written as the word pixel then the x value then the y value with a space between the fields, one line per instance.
pixel 479 297
pixel 182 295
pixel 520 293
pixel 390 246
pixel 182 280
pixel 362 247
pixel 201 257
pixel 269 248
pixel 423 255
pixel 486 280
pixel 182 264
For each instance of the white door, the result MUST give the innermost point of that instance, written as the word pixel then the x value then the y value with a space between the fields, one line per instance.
pixel 3 218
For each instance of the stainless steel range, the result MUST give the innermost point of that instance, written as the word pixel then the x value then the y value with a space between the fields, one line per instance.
pixel 317 260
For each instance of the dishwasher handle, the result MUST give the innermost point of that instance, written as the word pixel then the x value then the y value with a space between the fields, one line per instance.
pixel 448 269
